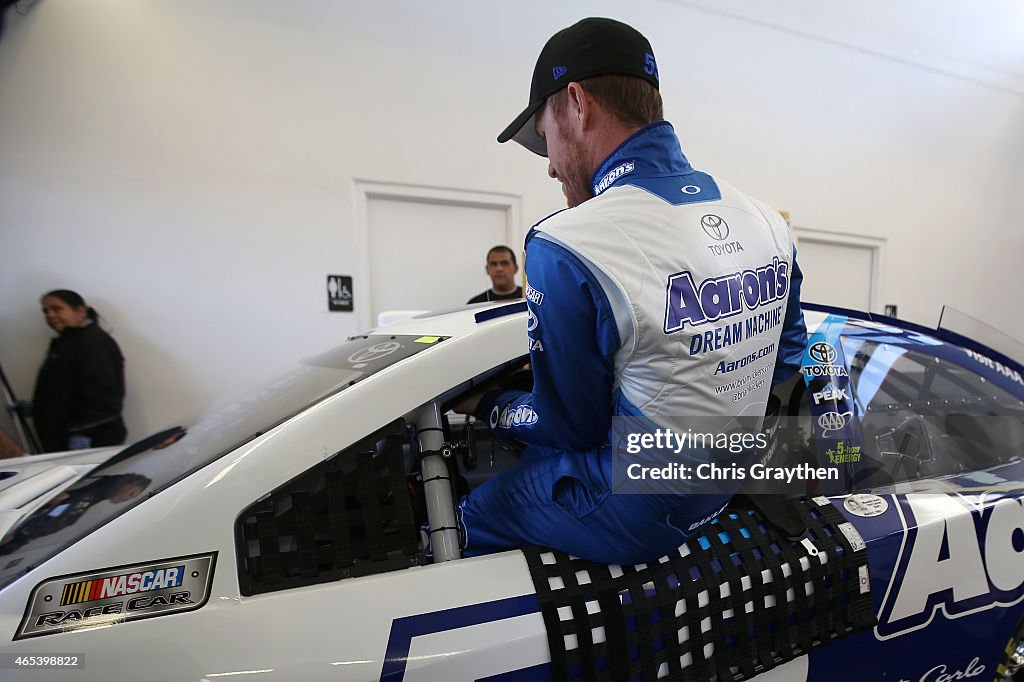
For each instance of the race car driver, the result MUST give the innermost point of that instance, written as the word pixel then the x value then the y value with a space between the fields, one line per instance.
pixel 648 298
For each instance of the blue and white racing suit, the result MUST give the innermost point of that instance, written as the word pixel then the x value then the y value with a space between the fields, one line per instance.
pixel 643 301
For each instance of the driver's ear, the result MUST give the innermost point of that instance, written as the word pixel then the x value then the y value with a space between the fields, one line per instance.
pixel 580 107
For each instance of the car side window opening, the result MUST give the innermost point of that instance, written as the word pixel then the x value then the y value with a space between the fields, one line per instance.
pixel 924 415
pixel 360 512
pixel 348 516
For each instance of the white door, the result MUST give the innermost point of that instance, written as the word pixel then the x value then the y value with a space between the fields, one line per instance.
pixel 426 249
pixel 838 270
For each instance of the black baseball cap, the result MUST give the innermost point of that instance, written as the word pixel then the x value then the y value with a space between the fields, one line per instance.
pixel 592 47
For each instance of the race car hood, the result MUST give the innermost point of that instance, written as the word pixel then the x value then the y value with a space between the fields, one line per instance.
pixel 26 482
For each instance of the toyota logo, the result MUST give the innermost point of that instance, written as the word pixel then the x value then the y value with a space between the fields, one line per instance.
pixel 715 227
pixel 374 352
pixel 531 320
pixel 822 352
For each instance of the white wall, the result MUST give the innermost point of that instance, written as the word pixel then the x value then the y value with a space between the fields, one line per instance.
pixel 188 165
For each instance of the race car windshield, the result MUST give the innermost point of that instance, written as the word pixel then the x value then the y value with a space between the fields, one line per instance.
pixel 151 465
pixel 965 325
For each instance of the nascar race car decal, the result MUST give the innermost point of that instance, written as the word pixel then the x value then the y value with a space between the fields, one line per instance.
pixel 119 594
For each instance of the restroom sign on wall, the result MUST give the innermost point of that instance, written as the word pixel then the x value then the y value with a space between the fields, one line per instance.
pixel 339 293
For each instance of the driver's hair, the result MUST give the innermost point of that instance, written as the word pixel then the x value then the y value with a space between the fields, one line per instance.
pixel 631 101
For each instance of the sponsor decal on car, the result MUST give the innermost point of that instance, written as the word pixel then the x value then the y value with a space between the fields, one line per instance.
pixel 822 352
pixel 117 595
pixel 842 453
pixel 830 394
pixel 823 356
pixel 833 422
pixel 1008 372
pixel 960 556
pixel 120 585
pixel 374 352
pixel 811 371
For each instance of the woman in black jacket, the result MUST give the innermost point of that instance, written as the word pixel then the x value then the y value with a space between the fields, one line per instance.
pixel 80 389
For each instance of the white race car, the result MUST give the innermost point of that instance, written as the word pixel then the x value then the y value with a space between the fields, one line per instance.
pixel 278 537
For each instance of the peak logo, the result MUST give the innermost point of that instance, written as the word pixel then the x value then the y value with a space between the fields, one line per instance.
pixel 959 557
pixel 830 394
pixel 717 298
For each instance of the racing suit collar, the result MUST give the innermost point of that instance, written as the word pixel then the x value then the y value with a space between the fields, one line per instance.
pixel 652 151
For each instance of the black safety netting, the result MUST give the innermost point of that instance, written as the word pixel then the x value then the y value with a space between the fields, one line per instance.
pixel 350 516
pixel 734 601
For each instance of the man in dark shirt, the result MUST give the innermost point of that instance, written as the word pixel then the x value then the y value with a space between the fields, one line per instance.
pixel 502 269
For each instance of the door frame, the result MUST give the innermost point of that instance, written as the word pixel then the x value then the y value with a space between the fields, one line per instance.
pixel 874 244
pixel 364 190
